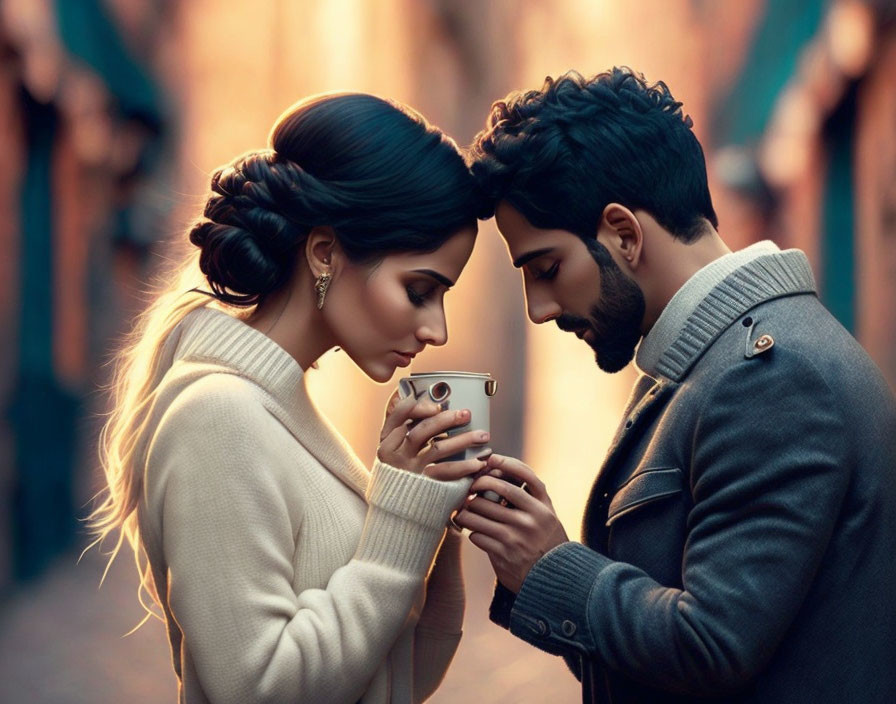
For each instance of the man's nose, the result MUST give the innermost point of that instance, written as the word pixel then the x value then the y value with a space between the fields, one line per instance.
pixel 542 310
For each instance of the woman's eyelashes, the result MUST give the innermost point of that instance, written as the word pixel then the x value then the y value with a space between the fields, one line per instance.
pixel 419 295
pixel 546 274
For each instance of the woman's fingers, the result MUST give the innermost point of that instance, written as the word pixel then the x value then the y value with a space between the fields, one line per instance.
pixel 403 413
pixel 393 401
pixel 443 447
pixel 437 424
pixel 414 437
pixel 398 416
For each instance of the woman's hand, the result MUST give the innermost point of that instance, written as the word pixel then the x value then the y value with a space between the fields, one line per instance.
pixel 413 438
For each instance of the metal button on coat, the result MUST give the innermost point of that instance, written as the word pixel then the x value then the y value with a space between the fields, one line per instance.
pixel 763 343
pixel 568 628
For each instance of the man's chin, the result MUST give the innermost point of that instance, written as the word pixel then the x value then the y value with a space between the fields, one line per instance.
pixel 612 361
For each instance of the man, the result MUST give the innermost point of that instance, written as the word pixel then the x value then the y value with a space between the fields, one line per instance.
pixel 738 543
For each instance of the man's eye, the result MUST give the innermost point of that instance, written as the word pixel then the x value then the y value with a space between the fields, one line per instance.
pixel 547 274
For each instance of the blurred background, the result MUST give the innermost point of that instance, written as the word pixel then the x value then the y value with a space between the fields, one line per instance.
pixel 114 112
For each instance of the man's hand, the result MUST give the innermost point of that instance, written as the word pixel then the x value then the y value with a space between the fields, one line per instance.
pixel 514 537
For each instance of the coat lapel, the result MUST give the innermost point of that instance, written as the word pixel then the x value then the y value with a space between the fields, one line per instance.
pixel 648 398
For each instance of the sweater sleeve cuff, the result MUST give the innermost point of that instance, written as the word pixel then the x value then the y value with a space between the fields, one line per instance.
pixel 407 517
pixel 551 609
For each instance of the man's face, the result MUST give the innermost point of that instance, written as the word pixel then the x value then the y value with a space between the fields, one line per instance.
pixel 577 285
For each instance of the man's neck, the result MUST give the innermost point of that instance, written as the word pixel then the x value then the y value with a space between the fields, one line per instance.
pixel 671 262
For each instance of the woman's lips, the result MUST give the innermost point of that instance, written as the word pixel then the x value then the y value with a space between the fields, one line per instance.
pixel 404 358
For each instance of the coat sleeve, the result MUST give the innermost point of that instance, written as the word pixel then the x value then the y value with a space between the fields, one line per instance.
pixel 769 471
pixel 228 537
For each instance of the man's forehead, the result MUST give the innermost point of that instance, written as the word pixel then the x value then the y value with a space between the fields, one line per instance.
pixel 525 241
pixel 518 233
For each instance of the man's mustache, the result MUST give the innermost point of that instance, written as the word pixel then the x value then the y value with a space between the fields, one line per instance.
pixel 571 323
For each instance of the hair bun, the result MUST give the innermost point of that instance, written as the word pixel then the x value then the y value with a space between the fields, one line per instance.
pixel 247 244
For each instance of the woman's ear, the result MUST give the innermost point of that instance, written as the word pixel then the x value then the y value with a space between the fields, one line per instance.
pixel 322 250
pixel 621 233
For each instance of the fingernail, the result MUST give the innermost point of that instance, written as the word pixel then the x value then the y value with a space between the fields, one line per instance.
pixel 463 415
pixel 482 437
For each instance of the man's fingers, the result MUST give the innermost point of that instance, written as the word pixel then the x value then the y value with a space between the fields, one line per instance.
pixel 516 495
pixel 448 471
pixel 486 543
pixel 491 510
pixel 480 524
pixel 521 473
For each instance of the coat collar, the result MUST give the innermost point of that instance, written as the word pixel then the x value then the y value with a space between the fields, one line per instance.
pixel 764 278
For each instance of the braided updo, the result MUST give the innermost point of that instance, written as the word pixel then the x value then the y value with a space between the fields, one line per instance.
pixel 375 171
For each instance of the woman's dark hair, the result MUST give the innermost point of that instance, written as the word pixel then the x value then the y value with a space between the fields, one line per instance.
pixel 375 171
pixel 561 154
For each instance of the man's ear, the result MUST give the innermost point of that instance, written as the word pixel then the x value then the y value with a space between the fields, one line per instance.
pixel 322 250
pixel 620 232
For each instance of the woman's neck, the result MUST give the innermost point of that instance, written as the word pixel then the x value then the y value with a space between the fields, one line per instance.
pixel 293 321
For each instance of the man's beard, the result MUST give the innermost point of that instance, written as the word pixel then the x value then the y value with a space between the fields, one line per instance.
pixel 615 324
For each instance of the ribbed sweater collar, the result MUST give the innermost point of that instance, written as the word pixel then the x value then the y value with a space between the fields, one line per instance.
pixel 715 297
pixel 213 337
pixel 208 335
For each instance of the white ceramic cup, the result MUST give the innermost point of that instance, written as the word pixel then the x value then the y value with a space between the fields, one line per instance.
pixel 455 390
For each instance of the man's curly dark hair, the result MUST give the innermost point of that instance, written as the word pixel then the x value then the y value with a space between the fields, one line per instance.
pixel 561 154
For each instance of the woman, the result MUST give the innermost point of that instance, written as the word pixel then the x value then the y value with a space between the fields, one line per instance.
pixel 285 570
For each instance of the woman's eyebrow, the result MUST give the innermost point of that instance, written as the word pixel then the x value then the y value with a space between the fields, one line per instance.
pixel 444 280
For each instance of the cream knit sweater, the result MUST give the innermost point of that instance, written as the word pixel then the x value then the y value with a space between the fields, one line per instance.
pixel 286 571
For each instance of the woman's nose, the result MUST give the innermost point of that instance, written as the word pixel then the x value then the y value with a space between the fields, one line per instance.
pixel 434 331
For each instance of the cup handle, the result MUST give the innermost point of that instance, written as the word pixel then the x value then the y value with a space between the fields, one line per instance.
pixel 406 388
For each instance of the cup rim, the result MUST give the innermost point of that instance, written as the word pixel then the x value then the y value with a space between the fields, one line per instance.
pixel 418 375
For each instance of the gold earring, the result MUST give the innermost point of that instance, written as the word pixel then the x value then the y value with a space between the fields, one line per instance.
pixel 321 286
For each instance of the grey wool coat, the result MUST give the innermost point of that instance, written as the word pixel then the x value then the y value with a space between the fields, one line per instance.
pixel 739 542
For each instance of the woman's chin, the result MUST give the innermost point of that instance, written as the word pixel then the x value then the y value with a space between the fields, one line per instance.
pixel 380 373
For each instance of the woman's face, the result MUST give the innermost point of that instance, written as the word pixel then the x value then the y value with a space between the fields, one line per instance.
pixel 384 314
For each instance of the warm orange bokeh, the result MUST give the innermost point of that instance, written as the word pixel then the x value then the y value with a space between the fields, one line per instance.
pixel 233 67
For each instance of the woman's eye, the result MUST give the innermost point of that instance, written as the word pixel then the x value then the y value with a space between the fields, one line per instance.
pixel 418 298
pixel 547 274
